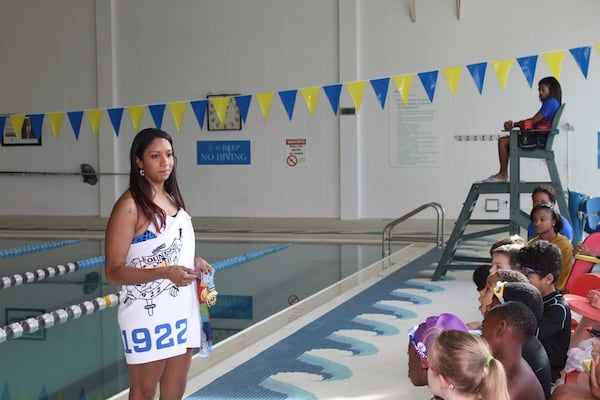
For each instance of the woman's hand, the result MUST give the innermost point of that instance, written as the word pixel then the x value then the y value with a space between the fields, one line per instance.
pixel 180 275
pixel 202 266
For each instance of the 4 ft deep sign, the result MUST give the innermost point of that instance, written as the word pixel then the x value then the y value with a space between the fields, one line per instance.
pixel 219 152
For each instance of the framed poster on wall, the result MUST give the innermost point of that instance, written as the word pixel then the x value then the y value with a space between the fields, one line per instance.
pixel 233 118
pixel 28 135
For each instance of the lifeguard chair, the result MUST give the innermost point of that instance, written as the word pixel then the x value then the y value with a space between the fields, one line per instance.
pixel 515 187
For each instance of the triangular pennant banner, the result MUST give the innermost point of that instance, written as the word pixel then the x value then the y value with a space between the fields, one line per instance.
pixel 528 66
pixel 115 115
pixel 380 87
pixel 37 121
pixel 264 102
pixel 310 95
pixel 135 114
pixel 477 72
pixel 582 58
pixel 157 111
pixel 288 98
pixel 177 111
pixel 502 69
pixel 554 61
pixel 452 75
pixel 56 119
pixel 220 105
pixel 403 84
pixel 333 93
pixel 199 108
pixel 95 117
pixel 597 45
pixel 75 118
pixel 17 123
pixel 356 90
pixel 429 82
pixel 243 104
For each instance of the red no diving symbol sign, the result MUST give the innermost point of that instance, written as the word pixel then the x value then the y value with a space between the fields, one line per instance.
pixel 292 160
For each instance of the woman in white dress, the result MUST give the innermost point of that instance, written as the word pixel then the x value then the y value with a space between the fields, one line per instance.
pixel 149 249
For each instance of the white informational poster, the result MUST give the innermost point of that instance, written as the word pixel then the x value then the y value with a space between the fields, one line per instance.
pixel 413 138
pixel 295 153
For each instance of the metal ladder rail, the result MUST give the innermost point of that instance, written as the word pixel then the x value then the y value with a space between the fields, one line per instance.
pixel 387 238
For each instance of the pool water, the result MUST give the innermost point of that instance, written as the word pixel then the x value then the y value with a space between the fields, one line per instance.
pixel 83 357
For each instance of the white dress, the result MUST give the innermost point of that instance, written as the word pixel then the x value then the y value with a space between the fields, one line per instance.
pixel 158 319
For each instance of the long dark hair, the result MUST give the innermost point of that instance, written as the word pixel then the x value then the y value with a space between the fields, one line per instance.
pixel 554 86
pixel 141 190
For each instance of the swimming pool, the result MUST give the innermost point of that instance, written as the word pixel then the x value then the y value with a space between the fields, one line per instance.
pixel 83 357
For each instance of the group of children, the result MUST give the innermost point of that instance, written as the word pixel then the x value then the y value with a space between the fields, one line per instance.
pixel 526 328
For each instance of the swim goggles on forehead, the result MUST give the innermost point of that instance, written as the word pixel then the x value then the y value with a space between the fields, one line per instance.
pixel 527 271
pixel 499 291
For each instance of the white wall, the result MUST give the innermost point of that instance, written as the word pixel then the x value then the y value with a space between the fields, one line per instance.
pixel 80 54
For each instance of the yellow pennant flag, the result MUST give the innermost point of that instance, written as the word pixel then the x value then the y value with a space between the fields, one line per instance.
pixel 554 61
pixel 310 95
pixel 264 101
pixel 177 111
pixel 220 105
pixel 356 90
pixel 56 120
pixel 17 123
pixel 452 75
pixel 95 116
pixel 502 69
pixel 403 84
pixel 597 47
pixel 136 113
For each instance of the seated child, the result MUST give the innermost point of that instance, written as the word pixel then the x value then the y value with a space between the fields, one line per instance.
pixel 533 350
pixel 420 339
pixel 547 223
pixel 505 257
pixel 462 367
pixel 540 262
pixel 507 327
pixel 485 295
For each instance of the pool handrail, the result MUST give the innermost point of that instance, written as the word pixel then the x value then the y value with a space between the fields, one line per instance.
pixel 388 237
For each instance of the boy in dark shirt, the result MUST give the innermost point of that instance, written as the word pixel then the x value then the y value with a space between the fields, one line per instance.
pixel 541 262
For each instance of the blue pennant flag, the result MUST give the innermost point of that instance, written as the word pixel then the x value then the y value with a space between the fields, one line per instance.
pixel 243 104
pixel 37 121
pixel 380 86
pixel 582 58
pixel 75 118
pixel 429 82
pixel 333 93
pixel 528 66
pixel 157 111
pixel 288 98
pixel 116 114
pixel 478 74
pixel 199 108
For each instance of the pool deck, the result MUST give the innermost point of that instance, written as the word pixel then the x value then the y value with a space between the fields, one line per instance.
pixel 319 347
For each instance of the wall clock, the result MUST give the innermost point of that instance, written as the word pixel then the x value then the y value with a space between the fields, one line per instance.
pixel 233 119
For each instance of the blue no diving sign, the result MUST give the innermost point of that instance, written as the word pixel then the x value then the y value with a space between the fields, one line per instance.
pixel 219 152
